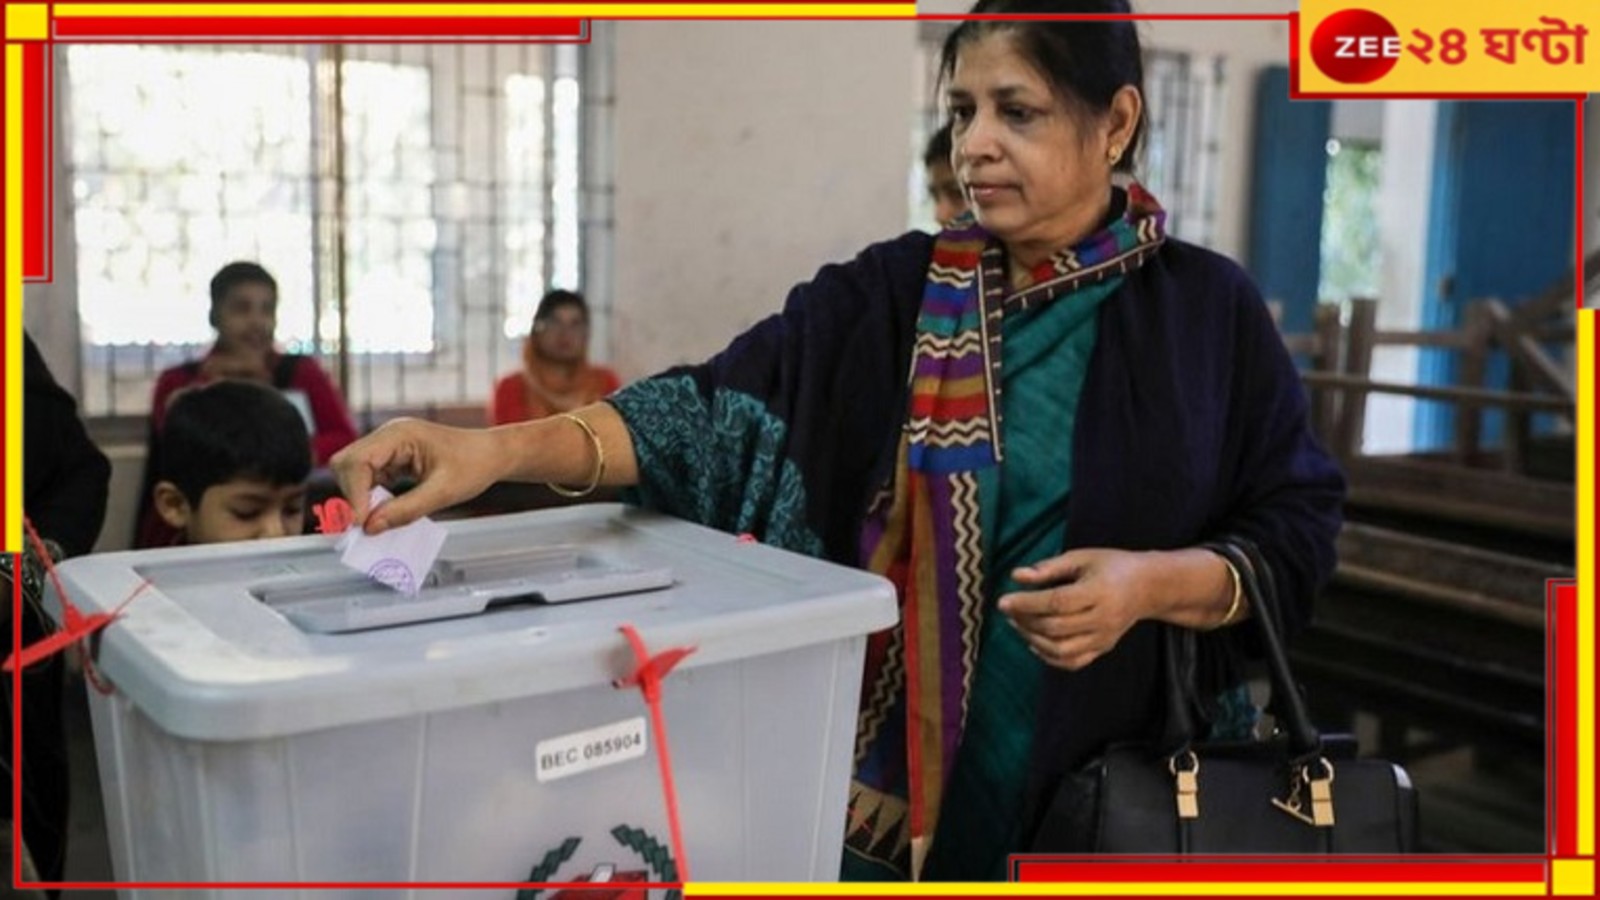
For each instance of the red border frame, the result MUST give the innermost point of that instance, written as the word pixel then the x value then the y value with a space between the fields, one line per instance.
pixel 38 150
pixel 304 27
pixel 1290 869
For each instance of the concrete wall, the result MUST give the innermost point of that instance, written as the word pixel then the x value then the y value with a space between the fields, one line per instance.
pixel 1358 120
pixel 1408 139
pixel 747 155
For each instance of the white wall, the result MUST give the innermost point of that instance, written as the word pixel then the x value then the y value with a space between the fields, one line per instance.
pixel 1357 120
pixel 748 154
pixel 1403 200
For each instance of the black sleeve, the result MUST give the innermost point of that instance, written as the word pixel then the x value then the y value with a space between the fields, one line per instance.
pixel 775 434
pixel 1290 499
pixel 65 476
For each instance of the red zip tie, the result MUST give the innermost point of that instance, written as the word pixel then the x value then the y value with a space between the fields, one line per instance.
pixel 76 629
pixel 333 516
pixel 647 677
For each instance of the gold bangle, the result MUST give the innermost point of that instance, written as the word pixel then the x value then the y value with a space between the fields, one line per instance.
pixel 1238 595
pixel 599 460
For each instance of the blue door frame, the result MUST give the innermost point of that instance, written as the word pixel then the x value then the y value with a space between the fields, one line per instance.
pixel 1289 176
pixel 1499 225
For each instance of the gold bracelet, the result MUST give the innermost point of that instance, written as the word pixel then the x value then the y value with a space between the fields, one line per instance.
pixel 1238 595
pixel 599 460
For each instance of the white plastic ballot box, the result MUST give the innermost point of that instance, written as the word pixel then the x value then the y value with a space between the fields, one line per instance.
pixel 276 717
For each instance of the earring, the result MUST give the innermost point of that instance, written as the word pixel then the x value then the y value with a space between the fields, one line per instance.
pixel 1114 154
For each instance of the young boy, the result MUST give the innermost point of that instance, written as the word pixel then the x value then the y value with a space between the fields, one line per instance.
pixel 943 186
pixel 235 456
pixel 244 312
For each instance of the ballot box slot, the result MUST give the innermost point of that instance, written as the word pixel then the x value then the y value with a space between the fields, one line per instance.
pixel 471 570
pixel 505 564
pixel 460 584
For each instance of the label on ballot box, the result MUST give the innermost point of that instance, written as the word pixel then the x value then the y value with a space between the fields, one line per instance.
pixel 586 751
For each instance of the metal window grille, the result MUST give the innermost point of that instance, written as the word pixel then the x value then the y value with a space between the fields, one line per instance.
pixel 413 201
pixel 1183 97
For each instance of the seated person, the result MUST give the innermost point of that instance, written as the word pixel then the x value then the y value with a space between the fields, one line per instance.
pixel 244 302
pixel 235 456
pixel 949 203
pixel 556 376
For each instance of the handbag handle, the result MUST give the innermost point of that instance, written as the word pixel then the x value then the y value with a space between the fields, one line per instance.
pixel 1287 705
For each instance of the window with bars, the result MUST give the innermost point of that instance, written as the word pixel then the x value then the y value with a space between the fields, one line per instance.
pixel 413 202
pixel 1183 102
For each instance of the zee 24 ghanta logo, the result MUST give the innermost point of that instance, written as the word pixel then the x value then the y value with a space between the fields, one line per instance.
pixel 1359 46
pixel 1355 46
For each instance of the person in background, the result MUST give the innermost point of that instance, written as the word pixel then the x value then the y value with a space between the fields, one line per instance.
pixel 65 476
pixel 65 479
pixel 1032 424
pixel 949 203
pixel 234 461
pixel 556 376
pixel 244 304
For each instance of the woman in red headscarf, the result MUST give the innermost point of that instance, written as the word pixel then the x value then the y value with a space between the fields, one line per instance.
pixel 556 375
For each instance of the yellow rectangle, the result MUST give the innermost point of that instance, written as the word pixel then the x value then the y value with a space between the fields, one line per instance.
pixel 1450 46
pixel 27 21
pixel 840 10
pixel 1572 877
pixel 1583 791
pixel 11 519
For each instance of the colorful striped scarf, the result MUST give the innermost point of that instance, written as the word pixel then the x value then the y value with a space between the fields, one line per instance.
pixel 924 533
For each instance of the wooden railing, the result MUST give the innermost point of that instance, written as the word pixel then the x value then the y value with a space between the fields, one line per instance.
pixel 1338 378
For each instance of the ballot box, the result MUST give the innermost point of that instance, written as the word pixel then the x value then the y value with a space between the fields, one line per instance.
pixel 277 717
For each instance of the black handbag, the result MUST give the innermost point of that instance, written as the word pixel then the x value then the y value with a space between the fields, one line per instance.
pixel 1297 792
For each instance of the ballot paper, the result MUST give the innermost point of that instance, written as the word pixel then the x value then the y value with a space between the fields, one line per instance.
pixel 399 557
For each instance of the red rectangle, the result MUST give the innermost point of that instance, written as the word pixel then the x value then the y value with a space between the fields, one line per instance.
pixel 1276 869
pixel 1563 733
pixel 36 134
pixel 269 27
pixel 1577 196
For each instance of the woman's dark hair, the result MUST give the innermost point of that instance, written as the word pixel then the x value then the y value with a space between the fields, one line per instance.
pixel 236 273
pixel 1085 62
pixel 554 300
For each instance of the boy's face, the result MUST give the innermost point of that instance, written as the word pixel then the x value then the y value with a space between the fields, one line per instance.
pixel 945 190
pixel 246 317
pixel 239 510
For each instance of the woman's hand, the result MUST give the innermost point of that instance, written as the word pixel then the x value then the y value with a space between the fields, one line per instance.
pixel 457 464
pixel 1084 602
pixel 451 465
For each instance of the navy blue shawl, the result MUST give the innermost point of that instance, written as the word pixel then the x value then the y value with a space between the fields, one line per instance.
pixel 1192 425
